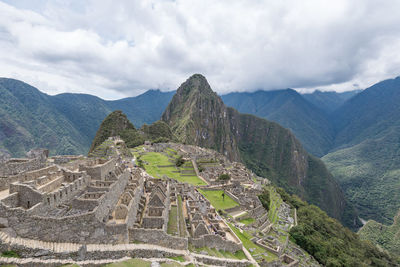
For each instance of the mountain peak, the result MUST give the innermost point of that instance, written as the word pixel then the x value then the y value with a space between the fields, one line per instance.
pixel 195 83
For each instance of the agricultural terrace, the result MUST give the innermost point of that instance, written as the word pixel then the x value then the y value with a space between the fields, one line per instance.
pixel 255 250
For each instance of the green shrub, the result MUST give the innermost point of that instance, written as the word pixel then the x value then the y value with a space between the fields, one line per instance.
pixel 10 254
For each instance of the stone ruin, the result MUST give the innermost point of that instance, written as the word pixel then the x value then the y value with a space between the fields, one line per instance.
pixel 98 201
pixel 80 200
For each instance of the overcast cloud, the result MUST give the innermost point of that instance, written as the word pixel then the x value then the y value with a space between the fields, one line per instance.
pixel 114 49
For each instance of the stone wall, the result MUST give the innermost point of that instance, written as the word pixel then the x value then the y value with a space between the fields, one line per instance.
pixel 215 241
pixel 89 227
pixel 27 196
pixel 99 171
pixel 15 166
pixel 26 252
pixel 133 206
pixel 75 229
pixel 234 209
pixel 62 159
pixel 157 237
pixel 25 176
pixel 110 199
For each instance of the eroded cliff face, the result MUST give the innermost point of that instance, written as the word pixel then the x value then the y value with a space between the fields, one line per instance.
pixel 198 116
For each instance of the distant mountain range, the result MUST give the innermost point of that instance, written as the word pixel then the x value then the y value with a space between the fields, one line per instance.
pixel 366 154
pixel 64 123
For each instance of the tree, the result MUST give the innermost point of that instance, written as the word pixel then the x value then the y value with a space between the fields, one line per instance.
pixel 179 161
pixel 224 177
pixel 265 199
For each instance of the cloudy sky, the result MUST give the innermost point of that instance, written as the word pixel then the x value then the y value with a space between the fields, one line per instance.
pixel 114 49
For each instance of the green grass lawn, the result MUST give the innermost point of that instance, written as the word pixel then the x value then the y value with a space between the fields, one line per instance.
pixel 178 258
pixel 215 197
pixel 158 159
pixel 247 221
pixel 172 222
pixel 256 250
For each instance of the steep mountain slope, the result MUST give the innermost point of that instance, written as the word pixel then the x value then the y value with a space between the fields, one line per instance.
pixel 329 101
pixel 28 119
pixel 386 237
pixel 115 124
pixel 368 114
pixel 368 165
pixel 85 112
pixel 198 116
pixel 288 108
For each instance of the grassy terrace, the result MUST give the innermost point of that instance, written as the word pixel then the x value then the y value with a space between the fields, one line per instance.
pixel 215 198
pixel 181 219
pixel 155 167
pixel 239 255
pixel 254 249
pixel 274 205
pixel 172 221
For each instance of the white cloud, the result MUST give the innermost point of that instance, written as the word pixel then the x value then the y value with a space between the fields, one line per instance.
pixel 121 48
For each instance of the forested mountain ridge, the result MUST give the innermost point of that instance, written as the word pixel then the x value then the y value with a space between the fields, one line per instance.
pixel 64 123
pixel 329 101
